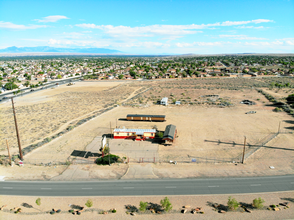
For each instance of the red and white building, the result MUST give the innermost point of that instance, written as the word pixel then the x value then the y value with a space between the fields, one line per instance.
pixel 137 134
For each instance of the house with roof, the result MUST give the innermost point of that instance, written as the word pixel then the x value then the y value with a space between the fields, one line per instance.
pixel 134 134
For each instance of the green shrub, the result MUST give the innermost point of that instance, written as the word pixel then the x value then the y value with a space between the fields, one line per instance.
pixel 89 203
pixel 105 160
pixel 232 203
pixel 258 203
pixel 143 206
pixel 277 109
pixel 166 204
pixel 38 201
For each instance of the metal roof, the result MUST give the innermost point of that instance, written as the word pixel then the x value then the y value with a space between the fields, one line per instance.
pixel 137 131
pixel 155 116
pixel 169 132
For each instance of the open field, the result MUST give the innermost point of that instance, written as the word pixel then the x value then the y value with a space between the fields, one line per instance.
pixel 209 128
pixel 119 203
pixel 43 113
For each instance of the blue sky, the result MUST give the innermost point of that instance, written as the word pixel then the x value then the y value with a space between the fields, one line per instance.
pixel 151 27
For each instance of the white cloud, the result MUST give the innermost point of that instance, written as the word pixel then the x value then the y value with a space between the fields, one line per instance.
pixel 9 25
pixel 52 18
pixel 241 37
pixel 161 30
pixel 251 27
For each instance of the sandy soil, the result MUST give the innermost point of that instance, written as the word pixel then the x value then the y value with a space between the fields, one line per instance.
pixel 119 203
pixel 41 114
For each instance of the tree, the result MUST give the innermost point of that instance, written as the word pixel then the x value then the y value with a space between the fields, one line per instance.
pixel 45 80
pixel 10 86
pixel 38 201
pixel 29 77
pixel 232 203
pixel 121 76
pixel 89 203
pixel 59 76
pixel 143 206
pixel 166 204
pixel 27 83
pixel 258 203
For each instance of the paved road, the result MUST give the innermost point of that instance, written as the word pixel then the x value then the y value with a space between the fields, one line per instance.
pixel 150 187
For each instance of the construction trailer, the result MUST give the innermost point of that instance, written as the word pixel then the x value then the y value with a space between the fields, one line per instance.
pixel 169 134
pixel 135 117
pixel 164 101
pixel 134 134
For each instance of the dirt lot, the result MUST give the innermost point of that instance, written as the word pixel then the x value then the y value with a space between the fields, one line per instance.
pixel 211 129
pixel 107 203
pixel 43 113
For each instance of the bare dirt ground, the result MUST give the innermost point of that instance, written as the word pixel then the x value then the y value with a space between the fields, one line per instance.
pixel 119 203
pixel 43 113
pixel 206 129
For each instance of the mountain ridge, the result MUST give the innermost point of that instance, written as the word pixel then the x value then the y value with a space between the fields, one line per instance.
pixel 47 49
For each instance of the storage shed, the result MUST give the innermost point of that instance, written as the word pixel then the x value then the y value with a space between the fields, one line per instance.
pixel 164 101
pixel 135 117
pixel 170 134
pixel 136 134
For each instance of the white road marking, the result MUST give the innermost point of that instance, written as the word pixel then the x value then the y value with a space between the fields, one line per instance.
pixel 255 184
pixel 129 187
pixel 213 186
pixel 170 187
pixel 7 188
pixel 46 188
pixel 86 188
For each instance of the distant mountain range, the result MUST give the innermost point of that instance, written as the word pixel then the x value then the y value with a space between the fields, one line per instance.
pixel 45 49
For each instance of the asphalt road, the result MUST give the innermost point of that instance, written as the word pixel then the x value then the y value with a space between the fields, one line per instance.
pixel 150 187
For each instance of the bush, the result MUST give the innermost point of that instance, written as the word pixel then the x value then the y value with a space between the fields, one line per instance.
pixel 166 204
pixel 143 206
pixel 160 134
pixel 258 203
pixel 278 109
pixel 89 203
pixel 105 160
pixel 38 201
pixel 232 203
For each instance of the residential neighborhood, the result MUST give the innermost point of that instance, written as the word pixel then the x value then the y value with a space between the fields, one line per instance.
pixel 25 72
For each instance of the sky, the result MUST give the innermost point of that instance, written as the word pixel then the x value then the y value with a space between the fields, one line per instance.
pixel 151 27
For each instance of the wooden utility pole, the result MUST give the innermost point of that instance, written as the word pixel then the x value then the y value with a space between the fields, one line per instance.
pixel 279 127
pixel 108 152
pixel 16 128
pixel 8 152
pixel 244 150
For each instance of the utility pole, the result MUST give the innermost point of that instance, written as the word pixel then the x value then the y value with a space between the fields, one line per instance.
pixel 108 152
pixel 16 128
pixel 279 127
pixel 8 152
pixel 110 128
pixel 244 150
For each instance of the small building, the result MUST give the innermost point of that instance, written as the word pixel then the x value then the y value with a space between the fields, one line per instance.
pixel 164 101
pixel 178 103
pixel 135 134
pixel 135 117
pixel 170 134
